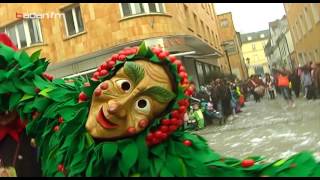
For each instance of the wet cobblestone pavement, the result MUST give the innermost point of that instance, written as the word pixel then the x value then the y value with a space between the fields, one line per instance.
pixel 269 128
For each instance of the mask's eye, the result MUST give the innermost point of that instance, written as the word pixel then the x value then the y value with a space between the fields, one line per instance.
pixel 124 85
pixel 143 105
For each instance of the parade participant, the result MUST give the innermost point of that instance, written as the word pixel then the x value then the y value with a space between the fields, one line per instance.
pixel 17 155
pixel 283 84
pixel 269 82
pixel 126 121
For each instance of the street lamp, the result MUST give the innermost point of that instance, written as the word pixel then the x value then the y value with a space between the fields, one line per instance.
pixel 225 50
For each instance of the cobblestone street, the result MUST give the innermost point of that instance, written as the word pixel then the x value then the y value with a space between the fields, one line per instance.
pixel 268 128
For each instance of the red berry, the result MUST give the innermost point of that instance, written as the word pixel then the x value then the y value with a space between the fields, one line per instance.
pixel 110 64
pixel 184 81
pixel 131 130
pixel 97 92
pixel 103 72
pixel 162 55
pixel 96 74
pixel 150 136
pixel 133 50
pixel 121 57
pixel 60 120
pixel 183 74
pixel 172 128
pixel 104 65
pixel 155 141
pixel 181 68
pixel 164 136
pixel 175 114
pixel 165 122
pixel 82 96
pixel 104 86
pixel 156 50
pixel 56 128
pixel 172 59
pixel 187 142
pixel 143 123
pixel 158 134
pixel 164 128
pixel 115 57
pixel 99 69
pixel 247 163
pixel 183 102
pixel 179 122
pixel 166 53
pixel 37 90
pixel 182 109
pixel 178 63
pixel 174 121
pixel 61 167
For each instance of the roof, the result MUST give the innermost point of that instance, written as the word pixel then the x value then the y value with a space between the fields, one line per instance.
pixel 255 36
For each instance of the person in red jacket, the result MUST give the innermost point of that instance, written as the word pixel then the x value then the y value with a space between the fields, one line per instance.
pixel 283 84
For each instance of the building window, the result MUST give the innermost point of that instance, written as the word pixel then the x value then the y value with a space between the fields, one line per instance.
pixel 249 38
pixel 73 21
pixel 302 23
pixel 262 36
pixel 315 12
pixel 307 17
pixel 224 23
pixel 24 33
pixel 129 9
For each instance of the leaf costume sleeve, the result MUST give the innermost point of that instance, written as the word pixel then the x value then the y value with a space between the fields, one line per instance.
pixel 57 113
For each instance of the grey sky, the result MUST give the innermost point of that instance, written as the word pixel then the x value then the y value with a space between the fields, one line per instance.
pixel 251 17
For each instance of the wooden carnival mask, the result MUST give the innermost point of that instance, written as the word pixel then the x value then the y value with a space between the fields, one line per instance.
pixel 127 103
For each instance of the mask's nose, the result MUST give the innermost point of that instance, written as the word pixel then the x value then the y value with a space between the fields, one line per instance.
pixel 116 108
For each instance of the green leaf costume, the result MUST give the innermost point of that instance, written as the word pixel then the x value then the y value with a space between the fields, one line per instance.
pixel 66 148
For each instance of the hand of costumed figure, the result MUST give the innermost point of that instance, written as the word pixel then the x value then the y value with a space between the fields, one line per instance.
pixel 125 121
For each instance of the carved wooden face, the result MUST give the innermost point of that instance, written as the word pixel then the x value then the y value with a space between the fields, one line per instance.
pixel 7 117
pixel 129 101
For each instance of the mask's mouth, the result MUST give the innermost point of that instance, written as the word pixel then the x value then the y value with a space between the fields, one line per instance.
pixel 104 122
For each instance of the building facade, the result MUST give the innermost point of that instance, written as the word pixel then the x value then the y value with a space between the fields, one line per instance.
pixel 253 51
pixel 304 25
pixel 77 37
pixel 279 49
pixel 232 45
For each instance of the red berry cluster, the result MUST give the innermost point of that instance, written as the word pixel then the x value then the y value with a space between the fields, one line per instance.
pixel 105 67
pixel 168 126
pixel 181 70
pixel 47 76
